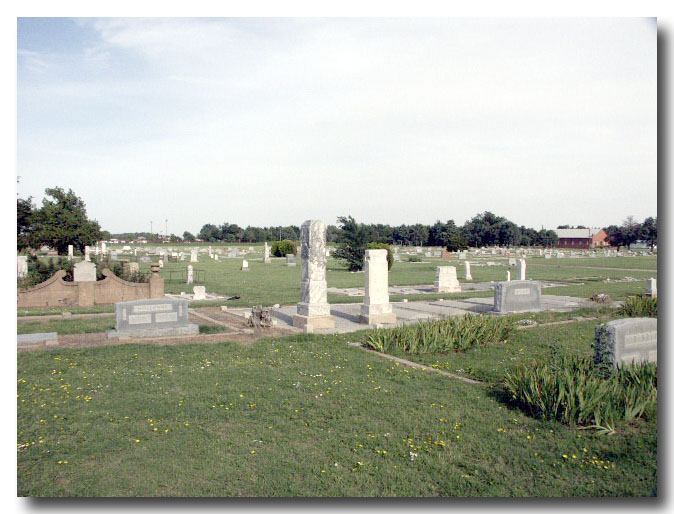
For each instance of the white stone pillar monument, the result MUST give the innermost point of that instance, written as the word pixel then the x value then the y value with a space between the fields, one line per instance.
pixel 267 259
pixel 521 269
pixel 507 276
pixel 446 281
pixel 468 275
pixel 376 307
pixel 21 266
pixel 70 252
pixel 313 311
pixel 103 247
pixel 190 274
pixel 87 257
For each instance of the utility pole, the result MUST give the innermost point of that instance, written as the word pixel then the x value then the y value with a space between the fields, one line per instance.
pixel 166 229
pixel 150 229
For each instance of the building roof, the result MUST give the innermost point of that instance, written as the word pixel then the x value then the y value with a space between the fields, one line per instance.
pixel 576 233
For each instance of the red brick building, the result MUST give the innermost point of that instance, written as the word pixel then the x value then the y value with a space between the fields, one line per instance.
pixel 581 238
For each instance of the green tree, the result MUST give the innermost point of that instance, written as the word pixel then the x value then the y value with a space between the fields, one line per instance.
pixel 24 211
pixel 188 236
pixel 649 231
pixel 61 221
pixel 631 230
pixel 210 233
pixel 352 240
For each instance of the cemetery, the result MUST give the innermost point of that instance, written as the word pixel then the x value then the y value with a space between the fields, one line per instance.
pixel 431 349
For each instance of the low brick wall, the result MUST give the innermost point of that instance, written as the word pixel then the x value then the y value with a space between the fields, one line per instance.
pixel 56 292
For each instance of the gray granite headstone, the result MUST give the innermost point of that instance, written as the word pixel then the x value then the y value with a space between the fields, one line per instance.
pixel 517 296
pixel 154 317
pixel 290 259
pixel 623 341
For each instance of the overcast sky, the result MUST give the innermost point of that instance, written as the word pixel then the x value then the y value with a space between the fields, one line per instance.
pixel 274 121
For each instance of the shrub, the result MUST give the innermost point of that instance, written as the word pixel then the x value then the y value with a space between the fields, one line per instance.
pixel 283 248
pixel 43 269
pixel 414 258
pixel 458 334
pixel 573 390
pixel 383 246
pixel 639 307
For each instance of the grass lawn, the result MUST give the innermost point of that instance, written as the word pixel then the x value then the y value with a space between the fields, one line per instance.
pixel 305 416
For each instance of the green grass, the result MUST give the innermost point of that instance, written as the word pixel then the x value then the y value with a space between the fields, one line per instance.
pixel 67 326
pixel 302 416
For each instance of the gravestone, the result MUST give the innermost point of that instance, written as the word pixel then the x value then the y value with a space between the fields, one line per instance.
pixel 512 262
pixel 84 271
pixel 152 318
pixel 462 256
pixel 165 258
pixel 87 257
pixel 547 256
pixel 190 274
pixel 48 338
pixel 521 269
pixel 70 252
pixel 266 259
pixel 623 341
pixel 290 259
pixel 161 264
pixel 199 292
pixel 194 256
pixel 134 268
pixel 21 266
pixel 376 307
pixel 445 280
pixel 468 275
pixel 313 311
pixel 244 265
pixel 215 257
pixel 114 256
pixel 103 247
pixel 145 259
pixel 652 288
pixel 517 296
pixel 508 276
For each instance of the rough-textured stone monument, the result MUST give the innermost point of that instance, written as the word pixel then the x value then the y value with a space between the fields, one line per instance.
pixel 199 292
pixel 468 275
pixel 623 341
pixel 521 269
pixel 152 318
pixel 517 296
pixel 376 307
pixel 84 271
pixel 21 266
pixel 313 311
pixel 446 281
pixel 267 259
pixel 190 274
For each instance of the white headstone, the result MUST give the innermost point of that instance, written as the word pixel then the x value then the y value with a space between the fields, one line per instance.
pixel 244 265
pixel 161 263
pixel 103 247
pixel 267 259
pixel 84 271
pixel 376 307
pixel 313 309
pixel 199 293
pixel 468 275
pixel 70 252
pixel 21 266
pixel 446 281
pixel 652 288
pixel 215 256
pixel 190 274
pixel 87 257
pixel 508 276
pixel 194 256
pixel 521 269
